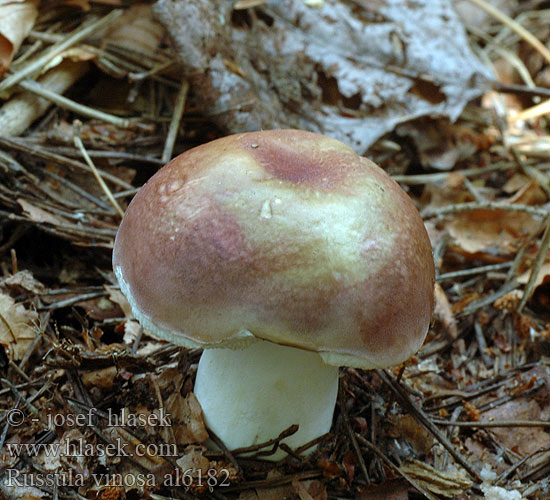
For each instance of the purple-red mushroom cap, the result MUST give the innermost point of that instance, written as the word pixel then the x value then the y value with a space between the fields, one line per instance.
pixel 282 235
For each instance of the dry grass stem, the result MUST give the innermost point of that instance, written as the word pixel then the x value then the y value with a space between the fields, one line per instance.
pixel 77 36
pixel 80 146
pixel 64 102
pixel 175 122
pixel 514 26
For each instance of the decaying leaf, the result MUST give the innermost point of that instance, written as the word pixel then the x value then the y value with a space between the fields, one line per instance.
pixel 441 144
pixel 491 235
pixel 137 30
pixel 196 466
pixel 17 329
pixel 443 312
pixel 543 276
pixel 38 214
pixel 194 460
pixel 392 489
pixel 102 378
pixel 25 280
pixel 407 427
pixel 386 63
pixel 448 483
pixel 16 20
pixel 185 411
pixel 523 440
pixel 188 413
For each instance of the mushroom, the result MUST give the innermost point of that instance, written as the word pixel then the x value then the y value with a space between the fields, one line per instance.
pixel 284 255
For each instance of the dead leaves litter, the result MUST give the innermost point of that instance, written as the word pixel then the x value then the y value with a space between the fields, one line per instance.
pixel 17 327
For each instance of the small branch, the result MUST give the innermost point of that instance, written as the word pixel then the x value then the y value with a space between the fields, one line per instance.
pixel 417 486
pixel 423 419
pixel 501 423
pixel 351 434
pixel 442 176
pixel 490 205
pixel 473 270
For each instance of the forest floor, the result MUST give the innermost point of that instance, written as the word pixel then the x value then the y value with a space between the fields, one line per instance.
pixel 93 102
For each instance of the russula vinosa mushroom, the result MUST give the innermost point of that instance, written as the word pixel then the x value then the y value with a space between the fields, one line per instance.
pixel 284 255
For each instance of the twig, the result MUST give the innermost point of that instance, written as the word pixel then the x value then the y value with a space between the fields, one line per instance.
pixel 272 442
pixel 482 344
pixel 500 423
pixel 506 88
pixel 272 483
pixel 175 122
pixel 74 300
pixel 490 205
pixel 441 176
pixel 489 299
pixel 35 150
pixel 417 486
pixel 518 464
pixel 90 163
pixel 425 421
pixel 473 270
pixel 351 434
pixel 77 36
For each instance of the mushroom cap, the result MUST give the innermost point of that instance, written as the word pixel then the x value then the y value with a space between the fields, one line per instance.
pixel 283 235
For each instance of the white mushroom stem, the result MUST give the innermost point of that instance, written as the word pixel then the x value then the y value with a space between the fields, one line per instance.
pixel 250 395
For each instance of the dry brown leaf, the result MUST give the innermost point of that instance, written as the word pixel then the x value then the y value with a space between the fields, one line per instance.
pixel 185 412
pixel 523 440
pixel 102 378
pixel 407 427
pixel 37 214
pixel 441 144
pixel 25 280
pixel 116 296
pixel 188 413
pixel 300 488
pixel 392 489
pixel 529 194
pixel 194 460
pixel 17 327
pixel 277 493
pixel 137 30
pixel 195 466
pixel 82 53
pixel 16 20
pixel 543 275
pixel 490 235
pixel 443 312
pixel 132 330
